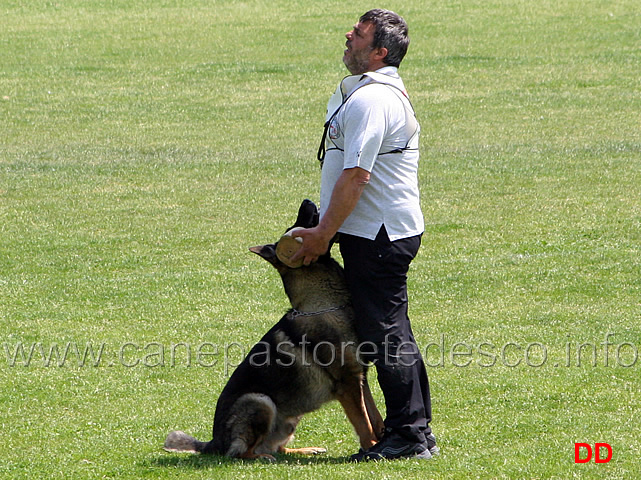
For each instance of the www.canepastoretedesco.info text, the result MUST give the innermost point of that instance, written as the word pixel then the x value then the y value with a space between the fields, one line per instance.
pixel 445 351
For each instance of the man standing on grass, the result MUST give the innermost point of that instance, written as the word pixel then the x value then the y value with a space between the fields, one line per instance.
pixel 369 195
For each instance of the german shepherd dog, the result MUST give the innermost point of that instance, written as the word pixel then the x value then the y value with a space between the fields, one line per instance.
pixel 308 358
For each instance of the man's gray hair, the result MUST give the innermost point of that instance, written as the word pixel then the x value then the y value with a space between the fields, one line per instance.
pixel 391 32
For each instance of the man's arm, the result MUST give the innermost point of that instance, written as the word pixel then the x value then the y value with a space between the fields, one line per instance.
pixel 345 196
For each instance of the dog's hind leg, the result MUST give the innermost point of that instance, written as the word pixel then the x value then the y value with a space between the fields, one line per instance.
pixel 282 434
pixel 250 421
pixel 291 423
pixel 251 455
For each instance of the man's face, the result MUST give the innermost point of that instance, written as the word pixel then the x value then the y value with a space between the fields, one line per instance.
pixel 358 57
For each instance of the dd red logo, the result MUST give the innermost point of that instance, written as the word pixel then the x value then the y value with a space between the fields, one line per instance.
pixel 583 453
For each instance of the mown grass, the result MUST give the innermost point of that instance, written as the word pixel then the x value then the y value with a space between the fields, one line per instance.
pixel 145 145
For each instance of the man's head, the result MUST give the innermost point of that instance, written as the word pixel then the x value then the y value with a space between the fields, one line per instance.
pixel 380 38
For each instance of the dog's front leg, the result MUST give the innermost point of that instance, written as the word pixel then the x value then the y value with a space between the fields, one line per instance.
pixel 352 399
pixel 375 417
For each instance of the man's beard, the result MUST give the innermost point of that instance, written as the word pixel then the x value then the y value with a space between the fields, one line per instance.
pixel 358 63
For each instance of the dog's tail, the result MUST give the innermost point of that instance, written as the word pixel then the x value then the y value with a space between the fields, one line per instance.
pixel 178 441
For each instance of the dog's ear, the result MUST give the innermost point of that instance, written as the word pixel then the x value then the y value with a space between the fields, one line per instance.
pixel 308 215
pixel 268 252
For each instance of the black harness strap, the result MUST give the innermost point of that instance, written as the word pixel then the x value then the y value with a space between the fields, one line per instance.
pixel 322 150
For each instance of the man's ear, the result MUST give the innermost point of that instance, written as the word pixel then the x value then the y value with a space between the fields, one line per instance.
pixel 380 53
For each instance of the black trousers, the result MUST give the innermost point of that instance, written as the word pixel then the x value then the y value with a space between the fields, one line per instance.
pixel 376 272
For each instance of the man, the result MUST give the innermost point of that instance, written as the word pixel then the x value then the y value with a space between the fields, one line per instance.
pixel 369 195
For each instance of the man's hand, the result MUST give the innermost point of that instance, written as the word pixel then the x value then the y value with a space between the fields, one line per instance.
pixel 347 191
pixel 315 244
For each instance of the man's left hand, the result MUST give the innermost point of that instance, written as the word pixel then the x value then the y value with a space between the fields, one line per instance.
pixel 315 244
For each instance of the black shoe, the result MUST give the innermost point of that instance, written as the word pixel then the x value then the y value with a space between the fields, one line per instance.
pixel 394 446
pixel 431 444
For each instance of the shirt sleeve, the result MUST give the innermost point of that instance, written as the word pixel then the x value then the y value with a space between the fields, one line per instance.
pixel 364 126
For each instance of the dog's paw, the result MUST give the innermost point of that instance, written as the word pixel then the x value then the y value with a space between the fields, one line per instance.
pixel 317 450
pixel 266 457
pixel 306 450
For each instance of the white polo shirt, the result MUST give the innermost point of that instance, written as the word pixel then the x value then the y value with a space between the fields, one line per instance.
pixel 375 129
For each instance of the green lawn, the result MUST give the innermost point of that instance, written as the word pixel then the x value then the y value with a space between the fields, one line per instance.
pixel 144 145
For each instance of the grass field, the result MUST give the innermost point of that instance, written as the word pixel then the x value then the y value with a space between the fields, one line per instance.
pixel 144 145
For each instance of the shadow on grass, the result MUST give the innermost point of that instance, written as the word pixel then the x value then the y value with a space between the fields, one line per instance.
pixel 196 461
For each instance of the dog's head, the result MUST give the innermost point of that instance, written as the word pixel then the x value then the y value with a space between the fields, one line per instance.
pixel 323 281
pixel 308 217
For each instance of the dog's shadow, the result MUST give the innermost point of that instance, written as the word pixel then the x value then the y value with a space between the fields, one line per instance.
pixel 198 462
